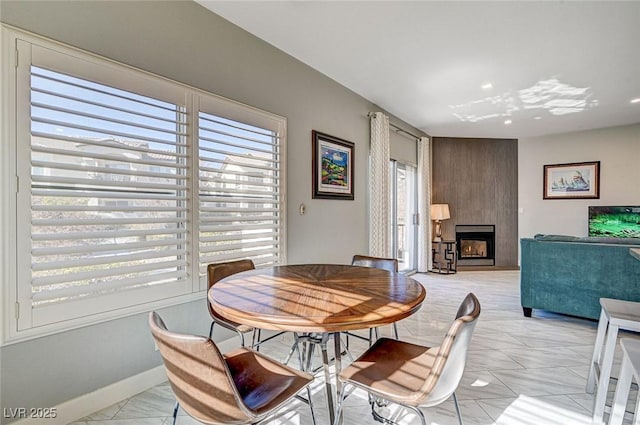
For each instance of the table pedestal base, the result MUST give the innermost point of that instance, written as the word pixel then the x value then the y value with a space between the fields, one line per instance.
pixel 308 342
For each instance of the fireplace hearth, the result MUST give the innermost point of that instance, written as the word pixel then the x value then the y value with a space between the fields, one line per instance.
pixel 476 244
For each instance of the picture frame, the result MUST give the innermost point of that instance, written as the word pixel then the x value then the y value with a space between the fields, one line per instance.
pixel 332 167
pixel 578 180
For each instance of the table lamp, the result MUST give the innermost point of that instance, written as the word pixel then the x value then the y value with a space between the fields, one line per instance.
pixel 439 212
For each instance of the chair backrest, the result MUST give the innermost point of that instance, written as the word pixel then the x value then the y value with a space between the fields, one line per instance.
pixel 199 376
pixel 451 356
pixel 388 264
pixel 218 271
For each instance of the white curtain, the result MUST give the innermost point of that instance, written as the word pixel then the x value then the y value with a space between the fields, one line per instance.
pixel 379 188
pixel 424 205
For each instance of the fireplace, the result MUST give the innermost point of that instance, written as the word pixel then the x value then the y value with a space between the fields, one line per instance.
pixel 476 244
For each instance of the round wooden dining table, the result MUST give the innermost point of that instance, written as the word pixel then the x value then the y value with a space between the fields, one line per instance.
pixel 324 298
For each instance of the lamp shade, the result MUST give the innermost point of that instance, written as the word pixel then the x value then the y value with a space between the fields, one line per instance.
pixel 440 212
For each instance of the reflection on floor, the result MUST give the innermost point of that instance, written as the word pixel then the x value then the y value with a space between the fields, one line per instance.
pixel 520 371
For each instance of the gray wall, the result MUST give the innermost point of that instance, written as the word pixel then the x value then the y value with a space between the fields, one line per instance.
pixel 187 43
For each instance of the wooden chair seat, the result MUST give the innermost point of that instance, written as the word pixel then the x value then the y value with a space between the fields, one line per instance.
pixel 262 383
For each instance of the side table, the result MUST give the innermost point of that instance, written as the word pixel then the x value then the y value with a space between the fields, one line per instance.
pixel 445 257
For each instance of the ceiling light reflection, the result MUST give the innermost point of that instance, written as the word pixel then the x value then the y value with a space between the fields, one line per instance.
pixel 551 94
pixel 636 100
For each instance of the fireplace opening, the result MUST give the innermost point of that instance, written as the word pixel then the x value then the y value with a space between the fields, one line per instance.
pixel 472 249
pixel 476 244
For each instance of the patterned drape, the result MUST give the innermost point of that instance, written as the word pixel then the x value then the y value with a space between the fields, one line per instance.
pixel 424 205
pixel 379 188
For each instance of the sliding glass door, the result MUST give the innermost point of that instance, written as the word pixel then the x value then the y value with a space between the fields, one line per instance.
pixel 404 215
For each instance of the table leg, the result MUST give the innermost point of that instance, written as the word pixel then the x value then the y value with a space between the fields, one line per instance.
pixel 605 374
pixel 338 363
pixel 309 359
pixel 327 374
pixel 295 347
pixel 622 393
pixel 597 351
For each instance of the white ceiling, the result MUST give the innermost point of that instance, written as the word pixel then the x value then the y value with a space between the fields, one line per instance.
pixel 554 66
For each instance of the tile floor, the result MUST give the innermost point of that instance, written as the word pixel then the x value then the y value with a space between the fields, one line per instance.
pixel 520 371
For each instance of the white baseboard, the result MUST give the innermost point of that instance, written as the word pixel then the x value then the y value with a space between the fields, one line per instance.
pixel 86 404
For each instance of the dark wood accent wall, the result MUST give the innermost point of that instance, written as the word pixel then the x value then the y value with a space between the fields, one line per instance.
pixel 478 178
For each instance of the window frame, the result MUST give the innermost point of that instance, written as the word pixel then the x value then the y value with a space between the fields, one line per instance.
pixel 16 128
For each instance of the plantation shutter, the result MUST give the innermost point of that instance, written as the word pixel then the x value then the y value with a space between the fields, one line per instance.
pixel 241 201
pixel 107 195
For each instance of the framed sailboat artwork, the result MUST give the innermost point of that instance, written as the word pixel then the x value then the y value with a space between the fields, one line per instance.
pixel 578 180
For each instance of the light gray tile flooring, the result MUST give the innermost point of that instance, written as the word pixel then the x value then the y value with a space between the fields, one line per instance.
pixel 520 371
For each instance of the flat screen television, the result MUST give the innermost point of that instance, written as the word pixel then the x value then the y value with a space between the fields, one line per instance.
pixel 614 221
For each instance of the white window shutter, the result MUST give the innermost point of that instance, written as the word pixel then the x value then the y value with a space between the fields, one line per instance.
pixel 241 201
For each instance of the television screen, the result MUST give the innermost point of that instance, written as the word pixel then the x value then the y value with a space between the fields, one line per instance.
pixel 614 222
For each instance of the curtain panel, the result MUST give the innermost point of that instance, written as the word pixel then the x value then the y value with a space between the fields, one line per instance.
pixel 379 188
pixel 424 205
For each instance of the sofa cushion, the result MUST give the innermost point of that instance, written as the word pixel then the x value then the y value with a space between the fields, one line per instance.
pixel 587 239
pixel 555 238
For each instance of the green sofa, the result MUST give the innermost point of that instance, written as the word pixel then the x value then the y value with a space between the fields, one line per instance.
pixel 567 274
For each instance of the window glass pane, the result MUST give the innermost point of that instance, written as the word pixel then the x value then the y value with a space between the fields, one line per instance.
pixel 404 178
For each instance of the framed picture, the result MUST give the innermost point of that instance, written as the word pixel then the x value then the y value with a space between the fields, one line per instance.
pixel 580 180
pixel 332 167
